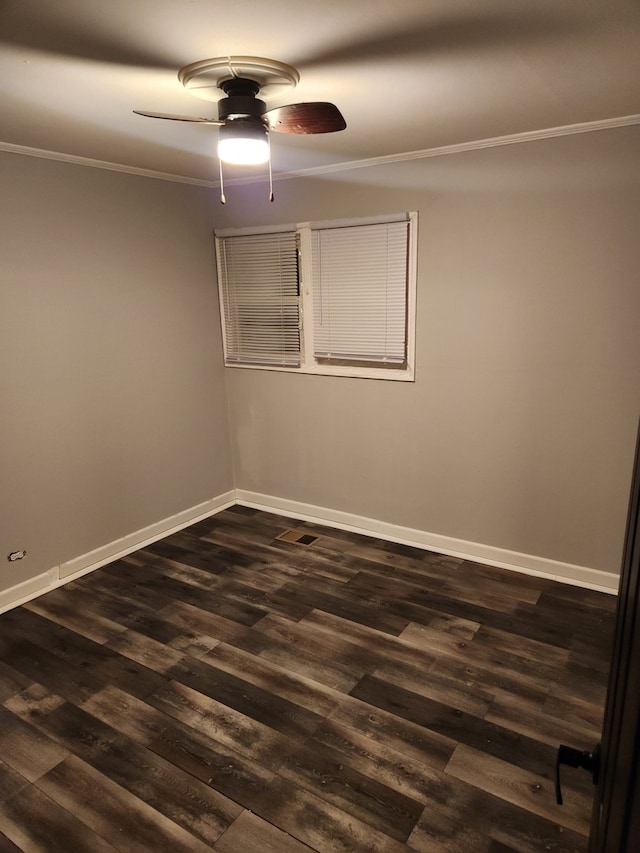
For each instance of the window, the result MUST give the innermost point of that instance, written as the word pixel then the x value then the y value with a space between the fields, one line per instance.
pixel 325 297
pixel 259 286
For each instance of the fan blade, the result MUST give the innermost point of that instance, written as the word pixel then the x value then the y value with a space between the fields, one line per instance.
pixel 179 118
pixel 315 117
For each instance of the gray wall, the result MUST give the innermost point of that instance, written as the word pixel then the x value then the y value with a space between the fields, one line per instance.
pixel 517 433
pixel 112 409
pixel 519 430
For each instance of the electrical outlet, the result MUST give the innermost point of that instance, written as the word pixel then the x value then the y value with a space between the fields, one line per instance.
pixel 16 555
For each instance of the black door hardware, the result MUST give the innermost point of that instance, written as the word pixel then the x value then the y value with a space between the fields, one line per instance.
pixel 571 757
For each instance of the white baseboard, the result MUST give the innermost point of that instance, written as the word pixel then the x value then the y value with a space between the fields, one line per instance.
pixel 25 591
pixel 492 556
pixel 82 565
pixel 523 563
pixel 140 538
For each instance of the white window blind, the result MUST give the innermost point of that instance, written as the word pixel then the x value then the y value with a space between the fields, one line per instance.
pixel 360 293
pixel 259 296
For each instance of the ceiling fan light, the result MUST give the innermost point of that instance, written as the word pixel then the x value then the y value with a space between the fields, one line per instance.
pixel 243 143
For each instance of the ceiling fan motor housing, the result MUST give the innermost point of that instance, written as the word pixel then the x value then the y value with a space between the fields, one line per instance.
pixel 241 100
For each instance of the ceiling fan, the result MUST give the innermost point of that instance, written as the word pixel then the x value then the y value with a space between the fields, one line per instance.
pixel 243 118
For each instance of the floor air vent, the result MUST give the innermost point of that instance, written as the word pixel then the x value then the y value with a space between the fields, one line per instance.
pixel 298 537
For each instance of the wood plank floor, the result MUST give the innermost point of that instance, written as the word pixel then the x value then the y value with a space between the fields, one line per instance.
pixel 227 690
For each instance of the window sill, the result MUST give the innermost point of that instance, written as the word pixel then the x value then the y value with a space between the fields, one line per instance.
pixel 395 375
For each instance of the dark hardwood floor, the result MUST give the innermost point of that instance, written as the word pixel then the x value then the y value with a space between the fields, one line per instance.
pixel 227 690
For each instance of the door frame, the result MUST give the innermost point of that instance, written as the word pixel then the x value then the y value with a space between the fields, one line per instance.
pixel 615 825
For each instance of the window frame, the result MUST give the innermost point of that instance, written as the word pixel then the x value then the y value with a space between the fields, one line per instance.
pixel 309 364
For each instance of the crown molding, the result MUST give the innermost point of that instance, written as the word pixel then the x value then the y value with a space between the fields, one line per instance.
pixel 76 160
pixel 458 148
pixel 423 154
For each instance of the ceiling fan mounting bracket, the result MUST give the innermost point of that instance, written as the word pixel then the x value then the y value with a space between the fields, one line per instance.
pixel 206 79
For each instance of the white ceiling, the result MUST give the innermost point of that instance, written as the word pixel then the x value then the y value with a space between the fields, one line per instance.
pixel 408 75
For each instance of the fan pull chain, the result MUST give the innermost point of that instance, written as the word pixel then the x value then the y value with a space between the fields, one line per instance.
pixel 270 173
pixel 222 197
